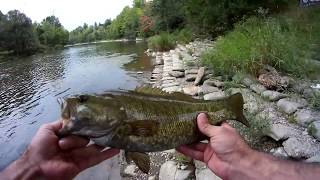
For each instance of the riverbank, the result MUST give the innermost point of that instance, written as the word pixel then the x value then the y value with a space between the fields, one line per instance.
pixel 104 41
pixel 282 110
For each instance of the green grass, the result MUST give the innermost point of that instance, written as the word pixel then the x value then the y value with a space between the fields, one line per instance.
pixel 283 41
pixel 162 42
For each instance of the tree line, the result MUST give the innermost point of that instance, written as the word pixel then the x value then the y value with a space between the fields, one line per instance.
pixel 142 19
pixel 20 36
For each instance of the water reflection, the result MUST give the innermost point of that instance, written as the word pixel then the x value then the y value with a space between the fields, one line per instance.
pixel 31 86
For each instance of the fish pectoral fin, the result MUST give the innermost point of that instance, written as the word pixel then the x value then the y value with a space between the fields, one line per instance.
pixel 142 160
pixel 143 127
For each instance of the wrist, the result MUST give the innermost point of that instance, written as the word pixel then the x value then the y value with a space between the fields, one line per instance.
pixel 22 168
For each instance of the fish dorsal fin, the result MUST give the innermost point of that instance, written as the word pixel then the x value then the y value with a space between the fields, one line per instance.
pixel 142 160
pixel 143 127
pixel 156 91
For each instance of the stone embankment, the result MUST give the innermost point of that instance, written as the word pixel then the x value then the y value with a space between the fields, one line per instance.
pixel 278 102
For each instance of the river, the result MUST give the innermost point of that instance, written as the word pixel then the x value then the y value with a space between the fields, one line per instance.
pixel 31 86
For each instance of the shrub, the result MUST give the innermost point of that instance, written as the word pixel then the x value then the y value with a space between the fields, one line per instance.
pixel 162 42
pixel 183 36
pixel 283 42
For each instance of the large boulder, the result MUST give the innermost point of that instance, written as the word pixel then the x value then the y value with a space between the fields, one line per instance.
pixel 191 90
pixel 177 74
pixel 205 89
pixel 257 88
pixel 306 116
pixel 273 95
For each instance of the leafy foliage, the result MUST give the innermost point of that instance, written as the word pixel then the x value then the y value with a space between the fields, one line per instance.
pixel 162 42
pixel 17 33
pixel 51 32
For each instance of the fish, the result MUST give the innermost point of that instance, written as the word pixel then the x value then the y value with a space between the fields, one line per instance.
pixel 144 120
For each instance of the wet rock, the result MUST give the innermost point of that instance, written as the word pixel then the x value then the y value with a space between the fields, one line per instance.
pixel 258 88
pixel 191 90
pixel 177 74
pixel 206 174
pixel 191 77
pixel 300 148
pixel 289 106
pixel 130 170
pixel 305 116
pixel 214 96
pixel 314 129
pixel 205 89
pixel 279 152
pixel 200 76
pixel 273 95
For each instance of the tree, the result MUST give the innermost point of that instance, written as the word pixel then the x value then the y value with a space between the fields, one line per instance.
pixel 51 32
pixel 20 35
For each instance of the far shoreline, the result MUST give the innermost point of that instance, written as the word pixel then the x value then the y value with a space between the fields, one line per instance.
pixel 105 41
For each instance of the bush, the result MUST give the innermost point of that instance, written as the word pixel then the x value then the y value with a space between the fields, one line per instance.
pixel 283 42
pixel 162 42
pixel 183 36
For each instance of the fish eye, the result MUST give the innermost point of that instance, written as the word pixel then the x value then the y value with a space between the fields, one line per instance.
pixel 83 98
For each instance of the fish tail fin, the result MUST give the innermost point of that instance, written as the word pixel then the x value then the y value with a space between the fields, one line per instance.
pixel 235 104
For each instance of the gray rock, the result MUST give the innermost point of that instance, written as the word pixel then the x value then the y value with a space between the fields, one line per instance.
pixel 191 71
pixel 258 88
pixel 170 85
pixel 205 89
pixel 191 77
pixel 314 129
pixel 314 159
pixel 305 116
pixel 279 152
pixel 152 178
pixel 214 82
pixel 308 93
pixel 214 96
pixel 288 106
pixel 130 170
pixel 191 90
pixel 247 81
pixel 168 170
pixel 206 174
pixel 273 95
pixel 200 76
pixel 280 132
pixel 172 89
pixel 177 74
pixel 301 148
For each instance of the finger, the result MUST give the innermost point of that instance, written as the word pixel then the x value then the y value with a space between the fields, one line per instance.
pixel 198 146
pixel 198 155
pixel 72 142
pixel 204 126
pixel 53 126
pixel 92 155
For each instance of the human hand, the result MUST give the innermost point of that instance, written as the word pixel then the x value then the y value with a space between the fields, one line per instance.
pixel 61 159
pixel 224 149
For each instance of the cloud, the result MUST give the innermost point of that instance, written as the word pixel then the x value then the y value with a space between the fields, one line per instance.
pixel 71 13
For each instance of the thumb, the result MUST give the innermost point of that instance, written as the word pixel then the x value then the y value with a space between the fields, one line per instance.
pixel 204 126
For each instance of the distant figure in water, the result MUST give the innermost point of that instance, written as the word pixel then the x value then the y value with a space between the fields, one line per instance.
pixel 226 154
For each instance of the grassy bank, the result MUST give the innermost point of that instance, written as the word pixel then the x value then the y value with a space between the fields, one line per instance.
pixel 166 41
pixel 283 41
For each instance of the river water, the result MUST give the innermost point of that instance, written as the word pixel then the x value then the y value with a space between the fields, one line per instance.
pixel 30 87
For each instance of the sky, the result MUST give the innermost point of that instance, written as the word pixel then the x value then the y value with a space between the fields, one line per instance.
pixel 71 13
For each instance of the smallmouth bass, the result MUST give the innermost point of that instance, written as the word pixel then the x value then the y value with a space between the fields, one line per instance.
pixel 144 120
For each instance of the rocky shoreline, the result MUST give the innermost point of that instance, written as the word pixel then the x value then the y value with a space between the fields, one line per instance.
pixel 284 122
